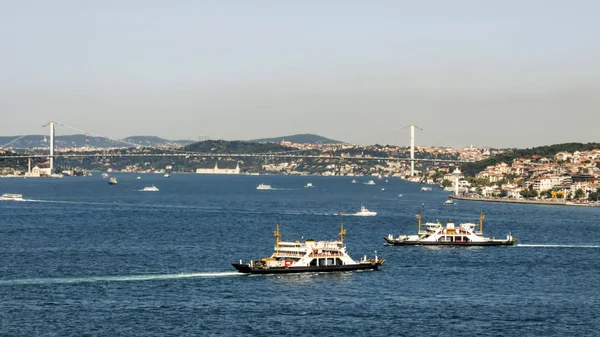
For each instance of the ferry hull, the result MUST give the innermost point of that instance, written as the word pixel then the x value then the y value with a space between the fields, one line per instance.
pixel 438 243
pixel 244 268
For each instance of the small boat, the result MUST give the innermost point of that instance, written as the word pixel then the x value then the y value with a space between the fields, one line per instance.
pixel 400 195
pixel 464 234
pixel 309 256
pixel 382 189
pixel 104 175
pixel 370 182
pixel 353 181
pixel 139 177
pixel 365 212
pixel 425 189
pixel 167 175
pixel 150 189
pixel 449 202
pixel 112 181
pixel 11 196
pixel 340 213
pixel 308 185
pixel 263 187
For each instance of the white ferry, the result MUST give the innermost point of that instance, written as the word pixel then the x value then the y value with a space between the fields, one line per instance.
pixel 150 189
pixel 464 234
pixel 365 212
pixel 308 256
pixel 11 196
pixel 264 187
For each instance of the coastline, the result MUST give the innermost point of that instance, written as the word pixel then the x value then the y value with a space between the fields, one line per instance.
pixel 535 202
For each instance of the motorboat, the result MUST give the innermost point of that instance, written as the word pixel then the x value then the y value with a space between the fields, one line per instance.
pixel 112 181
pixel 139 177
pixel 400 195
pixel 264 187
pixel 104 175
pixel 435 234
pixel 150 189
pixel 11 196
pixel 449 202
pixel 167 175
pixel 365 212
pixel 309 256
pixel 353 181
pixel 382 189
pixel 370 182
pixel 425 189
pixel 308 185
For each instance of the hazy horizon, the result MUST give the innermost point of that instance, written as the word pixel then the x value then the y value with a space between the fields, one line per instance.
pixel 504 74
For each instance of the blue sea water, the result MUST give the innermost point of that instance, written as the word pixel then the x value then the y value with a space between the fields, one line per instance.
pixel 82 258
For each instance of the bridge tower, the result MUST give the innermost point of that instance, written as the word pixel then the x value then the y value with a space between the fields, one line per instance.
pixel 412 148
pixel 51 123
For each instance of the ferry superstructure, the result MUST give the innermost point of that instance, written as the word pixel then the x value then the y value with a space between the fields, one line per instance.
pixel 435 234
pixel 308 256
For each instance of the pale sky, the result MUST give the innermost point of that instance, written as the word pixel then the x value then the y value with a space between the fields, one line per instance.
pixel 487 73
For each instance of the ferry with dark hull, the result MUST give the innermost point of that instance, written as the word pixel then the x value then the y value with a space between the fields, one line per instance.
pixel 435 234
pixel 309 256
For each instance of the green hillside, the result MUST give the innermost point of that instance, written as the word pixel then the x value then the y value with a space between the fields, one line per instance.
pixel 471 169
pixel 305 138
pixel 235 147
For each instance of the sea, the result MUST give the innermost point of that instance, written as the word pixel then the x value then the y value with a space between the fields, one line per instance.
pixel 80 257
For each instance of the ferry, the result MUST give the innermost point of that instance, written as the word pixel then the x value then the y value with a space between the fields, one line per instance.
pixel 150 189
pixel 263 187
pixel 365 212
pixel 309 256
pixel 11 196
pixel 435 234
pixel 112 181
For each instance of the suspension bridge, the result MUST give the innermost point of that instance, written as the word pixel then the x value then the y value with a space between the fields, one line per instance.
pixel 175 153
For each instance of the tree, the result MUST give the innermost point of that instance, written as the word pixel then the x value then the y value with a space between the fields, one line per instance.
pixel 579 194
pixel 529 193
pixel 594 196
pixel 446 183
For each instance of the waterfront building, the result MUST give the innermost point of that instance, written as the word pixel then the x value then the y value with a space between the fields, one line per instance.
pixel 217 170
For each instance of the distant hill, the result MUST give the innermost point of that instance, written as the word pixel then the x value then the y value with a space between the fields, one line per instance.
pixel 305 138
pixel 471 169
pixel 79 140
pixel 235 147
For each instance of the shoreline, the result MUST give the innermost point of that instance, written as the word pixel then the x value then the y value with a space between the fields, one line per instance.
pixel 535 202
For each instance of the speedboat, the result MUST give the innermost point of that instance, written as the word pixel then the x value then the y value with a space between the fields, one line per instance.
pixel 309 256
pixel 139 177
pixel 104 175
pixel 365 212
pixel 167 175
pixel 449 202
pixel 435 234
pixel 150 189
pixel 263 187
pixel 11 196
pixel 353 181
pixel 400 195
pixel 308 185
pixel 370 182
pixel 425 189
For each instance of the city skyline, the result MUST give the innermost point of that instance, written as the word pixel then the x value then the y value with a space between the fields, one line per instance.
pixel 503 75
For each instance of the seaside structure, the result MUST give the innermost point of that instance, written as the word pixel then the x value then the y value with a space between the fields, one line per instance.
pixel 217 170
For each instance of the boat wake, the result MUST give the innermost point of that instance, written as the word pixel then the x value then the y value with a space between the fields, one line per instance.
pixel 147 277
pixel 555 246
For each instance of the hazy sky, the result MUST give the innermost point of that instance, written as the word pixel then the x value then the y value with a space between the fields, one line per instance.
pixel 487 73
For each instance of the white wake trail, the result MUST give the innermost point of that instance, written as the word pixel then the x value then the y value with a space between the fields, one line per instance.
pixel 90 279
pixel 557 246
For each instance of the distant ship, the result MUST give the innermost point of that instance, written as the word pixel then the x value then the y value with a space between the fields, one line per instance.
pixel 308 257
pixel 365 212
pixel 464 234
pixel 112 181
pixel 370 182
pixel 263 187
pixel 150 189
pixel 11 196
pixel 308 185
pixel 425 189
